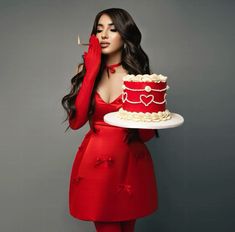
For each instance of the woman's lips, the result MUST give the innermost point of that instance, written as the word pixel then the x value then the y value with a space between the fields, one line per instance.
pixel 104 45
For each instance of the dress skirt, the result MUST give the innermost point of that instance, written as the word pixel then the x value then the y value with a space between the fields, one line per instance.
pixel 110 179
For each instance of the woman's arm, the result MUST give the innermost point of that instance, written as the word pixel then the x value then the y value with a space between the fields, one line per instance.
pixel 82 101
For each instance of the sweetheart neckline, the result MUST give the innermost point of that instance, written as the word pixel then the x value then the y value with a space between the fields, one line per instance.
pixel 107 102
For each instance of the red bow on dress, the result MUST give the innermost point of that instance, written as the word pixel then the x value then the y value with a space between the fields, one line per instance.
pixel 125 187
pixel 100 160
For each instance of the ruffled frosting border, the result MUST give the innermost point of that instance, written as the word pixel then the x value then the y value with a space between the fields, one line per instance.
pixel 145 78
pixel 144 117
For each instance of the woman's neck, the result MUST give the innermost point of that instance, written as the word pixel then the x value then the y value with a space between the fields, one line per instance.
pixel 113 58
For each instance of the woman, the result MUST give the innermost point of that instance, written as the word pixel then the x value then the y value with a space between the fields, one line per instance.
pixel 112 181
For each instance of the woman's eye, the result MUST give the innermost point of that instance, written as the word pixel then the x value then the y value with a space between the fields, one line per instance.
pixel 114 30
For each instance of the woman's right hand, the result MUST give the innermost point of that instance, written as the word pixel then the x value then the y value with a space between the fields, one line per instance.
pixel 92 58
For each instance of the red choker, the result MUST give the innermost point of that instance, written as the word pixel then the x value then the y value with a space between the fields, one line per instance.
pixel 111 68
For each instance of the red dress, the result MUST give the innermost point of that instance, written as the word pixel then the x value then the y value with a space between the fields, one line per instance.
pixel 110 179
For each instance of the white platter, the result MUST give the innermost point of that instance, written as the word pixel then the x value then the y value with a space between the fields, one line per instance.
pixel 113 119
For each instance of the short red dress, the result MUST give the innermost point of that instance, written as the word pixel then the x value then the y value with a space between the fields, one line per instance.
pixel 111 180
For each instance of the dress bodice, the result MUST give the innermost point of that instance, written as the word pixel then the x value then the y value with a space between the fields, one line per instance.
pixel 102 108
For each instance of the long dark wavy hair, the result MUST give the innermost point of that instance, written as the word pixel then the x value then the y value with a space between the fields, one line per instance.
pixel 133 59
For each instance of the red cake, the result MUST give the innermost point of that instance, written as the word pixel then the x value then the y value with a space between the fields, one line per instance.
pixel 144 98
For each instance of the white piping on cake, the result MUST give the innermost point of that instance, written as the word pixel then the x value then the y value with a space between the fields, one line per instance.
pixel 125 98
pixel 147 89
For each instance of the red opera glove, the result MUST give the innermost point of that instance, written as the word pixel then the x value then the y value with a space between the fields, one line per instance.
pixel 92 61
pixel 146 134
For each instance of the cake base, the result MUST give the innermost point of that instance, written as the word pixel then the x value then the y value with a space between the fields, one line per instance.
pixel 113 119
pixel 144 117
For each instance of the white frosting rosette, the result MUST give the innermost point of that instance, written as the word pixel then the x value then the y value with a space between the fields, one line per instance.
pixel 144 117
pixel 145 78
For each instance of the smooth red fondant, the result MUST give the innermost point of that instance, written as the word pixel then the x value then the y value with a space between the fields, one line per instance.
pixel 135 97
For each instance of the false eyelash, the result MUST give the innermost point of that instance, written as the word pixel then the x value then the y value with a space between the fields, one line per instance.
pixel 114 30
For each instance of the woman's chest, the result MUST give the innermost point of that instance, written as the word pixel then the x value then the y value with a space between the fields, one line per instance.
pixel 110 88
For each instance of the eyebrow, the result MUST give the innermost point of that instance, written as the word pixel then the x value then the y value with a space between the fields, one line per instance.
pixel 100 24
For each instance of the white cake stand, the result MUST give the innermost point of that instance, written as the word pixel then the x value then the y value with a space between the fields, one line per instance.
pixel 175 121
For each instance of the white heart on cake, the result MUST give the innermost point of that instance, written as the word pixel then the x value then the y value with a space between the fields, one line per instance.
pixel 146 99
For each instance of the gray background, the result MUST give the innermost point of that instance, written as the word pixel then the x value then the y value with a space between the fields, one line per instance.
pixel 191 42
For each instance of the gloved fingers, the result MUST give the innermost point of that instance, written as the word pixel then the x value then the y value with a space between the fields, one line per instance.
pixel 93 56
pixel 97 47
pixel 91 43
pixel 91 38
pixel 94 46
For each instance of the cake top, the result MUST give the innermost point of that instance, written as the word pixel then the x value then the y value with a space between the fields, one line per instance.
pixel 145 78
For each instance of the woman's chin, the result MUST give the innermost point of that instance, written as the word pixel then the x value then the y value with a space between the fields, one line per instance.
pixel 106 51
pixel 110 51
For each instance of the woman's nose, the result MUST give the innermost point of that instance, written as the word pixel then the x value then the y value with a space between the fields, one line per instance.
pixel 104 34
